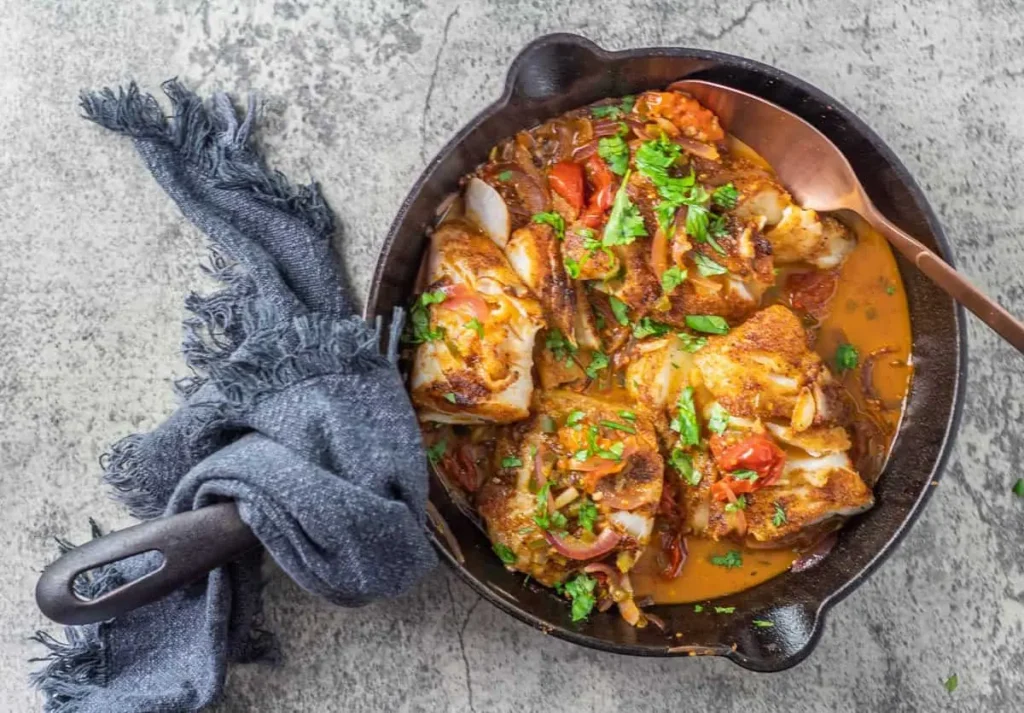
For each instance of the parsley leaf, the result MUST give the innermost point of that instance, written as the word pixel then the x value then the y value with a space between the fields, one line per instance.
pixel 450 397
pixel 574 418
pixel 561 348
pixel 1018 488
pixel 504 176
pixel 685 422
pixel 587 514
pixel 647 327
pixel 697 218
pixel 598 362
pixel 476 326
pixel 572 267
pixel 709 324
pixel 615 152
pixel 437 451
pixel 951 683
pixel 628 415
pixel 419 329
pixel 545 520
pixel 614 111
pixel 890 290
pixel 581 591
pixel 729 560
pixel 740 504
pixel 708 267
pixel 553 219
pixel 698 608
pixel 725 197
pixel 617 426
pixel 505 553
pixel 719 419
pixel 846 357
pixel 624 222
pixel 672 278
pixel 763 624
pixel 744 474
pixel 779 518
pixel 511 462
pixel 692 343
pixel 620 309
pixel 724 610
pixel 683 463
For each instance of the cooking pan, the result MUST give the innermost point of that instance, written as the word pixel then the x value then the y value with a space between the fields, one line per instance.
pixel 550 76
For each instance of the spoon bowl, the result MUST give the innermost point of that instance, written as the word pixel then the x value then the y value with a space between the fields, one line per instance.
pixel 819 177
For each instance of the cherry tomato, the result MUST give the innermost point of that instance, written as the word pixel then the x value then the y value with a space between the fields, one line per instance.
pixel 757 453
pixel 566 179
pixel 604 192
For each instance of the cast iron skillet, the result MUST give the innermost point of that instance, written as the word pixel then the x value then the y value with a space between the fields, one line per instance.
pixel 560 72
pixel 552 75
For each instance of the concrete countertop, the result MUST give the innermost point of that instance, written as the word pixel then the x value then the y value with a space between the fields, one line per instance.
pixel 95 261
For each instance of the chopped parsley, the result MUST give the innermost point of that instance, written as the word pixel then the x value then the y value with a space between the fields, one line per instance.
pixel 614 111
pixel 706 323
pixel 719 419
pixel 581 590
pixel 763 624
pixel 419 330
pixel 613 452
pixel 628 415
pixel 615 152
pixel 725 197
pixel 846 357
pixel 450 397
pixel 574 418
pixel 619 309
pixel 725 610
pixel 587 514
pixel 437 451
pixel 692 343
pixel 598 362
pixel 890 290
pixel 560 347
pixel 572 267
pixel 505 553
pixel 698 608
pixel 553 219
pixel 548 520
pixel 647 327
pixel 1018 488
pixel 779 518
pixel 685 421
pixel 683 463
pixel 624 222
pixel 729 560
pixel 511 462
pixel 476 326
pixel 504 176
pixel 672 278
pixel 951 683
pixel 744 474
pixel 708 267
pixel 617 426
pixel 740 504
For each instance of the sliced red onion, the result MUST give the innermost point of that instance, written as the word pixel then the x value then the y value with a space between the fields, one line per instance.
pixel 656 620
pixel 576 550
pixel 816 554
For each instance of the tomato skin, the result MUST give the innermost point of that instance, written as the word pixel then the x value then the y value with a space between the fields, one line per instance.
pixel 811 292
pixel 604 192
pixel 757 453
pixel 566 179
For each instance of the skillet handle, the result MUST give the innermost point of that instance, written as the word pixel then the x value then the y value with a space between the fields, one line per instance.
pixel 192 543
pixel 546 68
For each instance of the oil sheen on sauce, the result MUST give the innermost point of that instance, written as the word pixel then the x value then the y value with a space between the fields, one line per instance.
pixel 869 310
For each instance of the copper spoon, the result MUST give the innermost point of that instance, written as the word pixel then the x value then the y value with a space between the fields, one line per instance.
pixel 819 177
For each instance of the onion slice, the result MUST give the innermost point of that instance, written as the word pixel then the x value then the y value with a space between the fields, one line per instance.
pixel 816 554
pixel 576 550
pixel 487 209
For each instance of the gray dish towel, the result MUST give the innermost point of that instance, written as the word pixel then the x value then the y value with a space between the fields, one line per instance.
pixel 293 412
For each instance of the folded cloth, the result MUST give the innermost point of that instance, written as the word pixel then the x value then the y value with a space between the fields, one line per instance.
pixel 294 413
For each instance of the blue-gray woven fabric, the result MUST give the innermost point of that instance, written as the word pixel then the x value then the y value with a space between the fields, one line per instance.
pixel 293 412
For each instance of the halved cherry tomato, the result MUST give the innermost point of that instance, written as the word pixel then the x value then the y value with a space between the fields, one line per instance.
pixel 757 453
pixel 604 192
pixel 566 179
pixel 459 295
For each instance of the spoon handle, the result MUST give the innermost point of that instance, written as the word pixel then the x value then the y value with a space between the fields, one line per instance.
pixel 949 280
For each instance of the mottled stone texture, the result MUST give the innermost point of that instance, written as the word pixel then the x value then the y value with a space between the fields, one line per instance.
pixel 94 262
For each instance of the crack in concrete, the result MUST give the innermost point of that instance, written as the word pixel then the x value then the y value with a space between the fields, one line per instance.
pixel 738 22
pixel 433 81
pixel 462 640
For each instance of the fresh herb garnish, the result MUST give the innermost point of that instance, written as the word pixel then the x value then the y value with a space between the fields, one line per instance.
pixel 647 327
pixel 476 326
pixel 763 624
pixel 598 362
pixel 617 426
pixel 505 553
pixel 846 357
pixel 511 462
pixel 692 343
pixel 624 222
pixel 620 309
pixel 729 560
pixel 707 267
pixel 574 418
pixel 548 520
pixel 419 330
pixel 628 415
pixel 553 219
pixel 615 152
pixel 890 290
pixel 719 419
pixel 1018 488
pixel 685 421
pixel 683 463
pixel 744 474
pixel 672 278
pixel 504 176
pixel 725 610
pixel 581 591
pixel 450 397
pixel 614 111
pixel 572 267
pixel 725 197
pixel 706 323
pixel 587 514
pixel 560 347
pixel 951 683
pixel 740 504
pixel 779 518
pixel 698 608
pixel 613 452
pixel 437 451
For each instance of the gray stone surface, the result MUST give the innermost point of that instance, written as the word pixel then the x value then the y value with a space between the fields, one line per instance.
pixel 94 262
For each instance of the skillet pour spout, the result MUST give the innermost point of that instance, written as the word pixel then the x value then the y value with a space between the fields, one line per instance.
pixel 559 72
